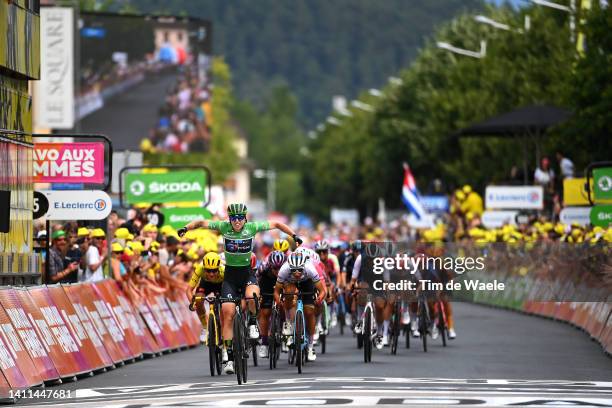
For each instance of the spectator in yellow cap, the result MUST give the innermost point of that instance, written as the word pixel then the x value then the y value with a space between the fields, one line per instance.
pixel 117 267
pixel 95 255
pixel 83 232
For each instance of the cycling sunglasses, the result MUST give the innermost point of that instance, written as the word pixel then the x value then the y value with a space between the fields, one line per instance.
pixel 294 270
pixel 238 217
pixel 211 271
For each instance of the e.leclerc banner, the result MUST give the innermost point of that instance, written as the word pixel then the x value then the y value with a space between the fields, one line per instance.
pixel 178 217
pixel 175 186
pixel 69 162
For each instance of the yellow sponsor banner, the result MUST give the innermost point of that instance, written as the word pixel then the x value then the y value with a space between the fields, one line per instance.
pixel 574 192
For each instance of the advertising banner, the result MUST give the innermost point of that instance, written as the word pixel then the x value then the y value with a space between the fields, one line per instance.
pixel 168 324
pixel 10 370
pixel 73 293
pixel 88 299
pixel 55 90
pixel 182 317
pixel 601 215
pixel 77 205
pixel 71 317
pixel 148 343
pixel 179 217
pixel 28 334
pixel 176 186
pixel 574 192
pixel 102 314
pixel 435 203
pixel 515 197
pixel 76 162
pixel 15 356
pixel 61 335
pixel 579 215
pixel 496 219
pixel 154 327
pixel 109 291
pixel 602 184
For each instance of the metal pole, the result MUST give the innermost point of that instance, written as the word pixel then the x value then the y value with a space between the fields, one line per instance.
pixel 47 255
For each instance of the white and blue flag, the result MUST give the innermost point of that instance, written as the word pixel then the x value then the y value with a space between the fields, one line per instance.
pixel 411 196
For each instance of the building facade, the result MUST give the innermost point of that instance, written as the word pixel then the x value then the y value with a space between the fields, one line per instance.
pixel 19 63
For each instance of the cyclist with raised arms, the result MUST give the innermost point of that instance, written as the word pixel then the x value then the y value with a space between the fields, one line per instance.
pixel 239 278
pixel 298 274
pixel 267 273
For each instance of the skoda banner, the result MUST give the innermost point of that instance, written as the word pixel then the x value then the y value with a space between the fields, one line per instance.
pixel 602 183
pixel 177 186
pixel 179 217
pixel 601 215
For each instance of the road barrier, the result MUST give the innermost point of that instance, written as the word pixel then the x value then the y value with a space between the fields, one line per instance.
pixel 62 332
pixel 568 283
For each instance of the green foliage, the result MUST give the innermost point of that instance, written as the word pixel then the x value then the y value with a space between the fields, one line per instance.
pixel 320 48
pixel 275 140
pixel 443 92
pixel 589 133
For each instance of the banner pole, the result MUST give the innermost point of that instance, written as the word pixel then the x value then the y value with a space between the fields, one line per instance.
pixel 47 252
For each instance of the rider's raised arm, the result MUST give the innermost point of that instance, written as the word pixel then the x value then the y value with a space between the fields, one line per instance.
pixel 286 229
pixel 197 224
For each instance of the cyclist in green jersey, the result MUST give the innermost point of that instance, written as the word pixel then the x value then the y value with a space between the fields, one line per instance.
pixel 239 278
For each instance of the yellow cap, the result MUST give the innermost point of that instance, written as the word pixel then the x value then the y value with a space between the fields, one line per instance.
pixel 98 233
pixel 166 229
pixel 460 195
pixel 128 252
pixel 467 189
pixel 130 237
pixel 150 228
pixel 83 232
pixel 116 247
pixel 122 233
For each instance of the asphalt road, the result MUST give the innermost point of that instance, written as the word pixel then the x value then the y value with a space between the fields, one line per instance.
pixel 499 358
pixel 127 118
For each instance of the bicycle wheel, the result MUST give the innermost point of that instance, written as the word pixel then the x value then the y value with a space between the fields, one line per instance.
pixel 212 344
pixel 395 330
pixel 219 342
pixel 423 325
pixel 272 340
pixel 299 339
pixel 441 323
pixel 324 325
pixel 367 336
pixel 238 347
pixel 245 354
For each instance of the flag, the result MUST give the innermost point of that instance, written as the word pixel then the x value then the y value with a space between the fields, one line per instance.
pixel 410 194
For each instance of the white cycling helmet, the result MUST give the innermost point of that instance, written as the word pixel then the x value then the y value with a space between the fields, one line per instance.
pixel 297 260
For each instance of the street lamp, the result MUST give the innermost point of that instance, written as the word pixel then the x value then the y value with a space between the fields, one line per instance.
pixel 363 106
pixel 270 176
pixel 461 51
pixel 502 26
pixel 333 121
pixel 375 92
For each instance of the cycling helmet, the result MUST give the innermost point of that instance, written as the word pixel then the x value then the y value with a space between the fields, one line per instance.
pixel 277 259
pixel 212 260
pixel 356 245
pixel 236 209
pixel 297 260
pixel 281 245
pixel 321 245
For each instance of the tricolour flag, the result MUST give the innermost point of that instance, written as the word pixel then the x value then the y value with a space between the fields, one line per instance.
pixel 410 194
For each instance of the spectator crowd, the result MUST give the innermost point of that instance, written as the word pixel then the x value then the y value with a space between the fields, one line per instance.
pixel 185 118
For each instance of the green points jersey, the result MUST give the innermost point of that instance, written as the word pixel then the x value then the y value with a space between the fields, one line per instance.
pixel 238 245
